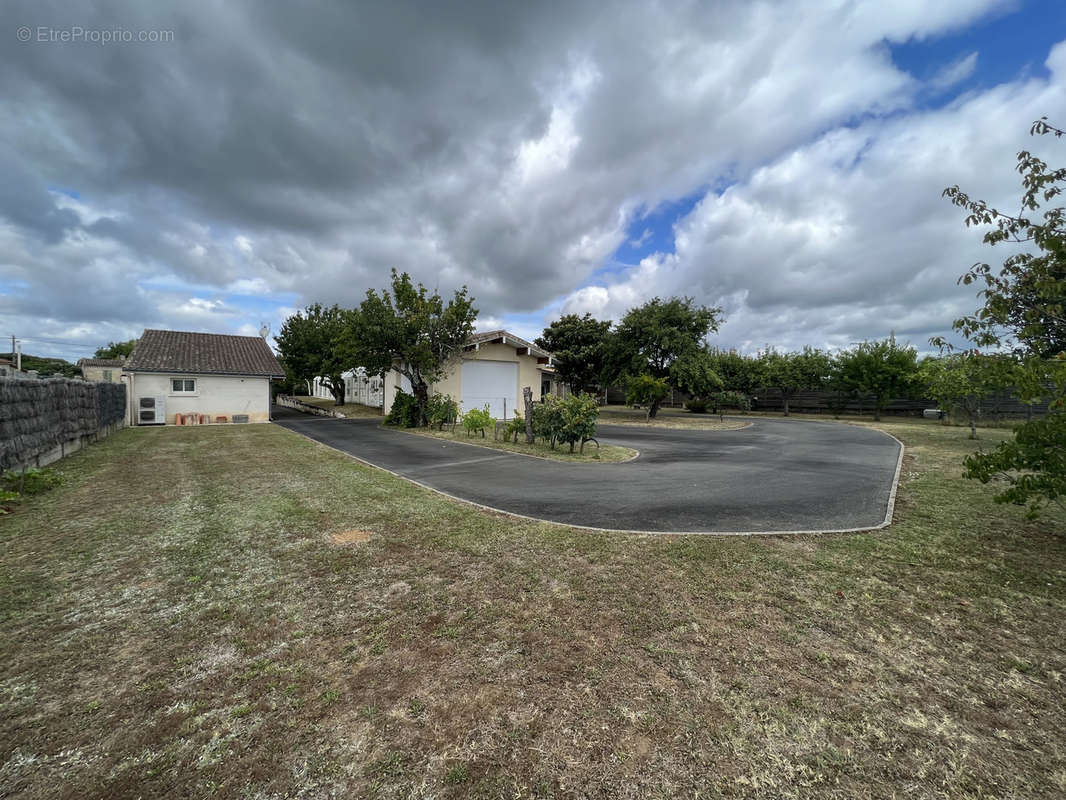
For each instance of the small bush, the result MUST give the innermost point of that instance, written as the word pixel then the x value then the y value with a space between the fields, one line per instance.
pixel 720 401
pixel 404 411
pixel 30 481
pixel 441 410
pixel 697 405
pixel 571 419
pixel 515 428
pixel 8 500
pixel 477 419
pixel 547 420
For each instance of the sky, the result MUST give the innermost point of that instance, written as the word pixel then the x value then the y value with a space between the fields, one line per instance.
pixel 215 166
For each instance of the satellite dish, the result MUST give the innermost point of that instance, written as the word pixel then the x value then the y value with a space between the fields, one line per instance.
pixel 264 331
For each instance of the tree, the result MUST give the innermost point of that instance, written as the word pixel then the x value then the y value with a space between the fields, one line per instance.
pixel 651 337
pixel 310 346
pixel 738 373
pixel 1025 301
pixel 964 380
pixel 115 350
pixel 795 372
pixel 694 374
pixel 581 349
pixel 884 369
pixel 1024 310
pixel 410 331
pixel 1033 465
pixel 647 391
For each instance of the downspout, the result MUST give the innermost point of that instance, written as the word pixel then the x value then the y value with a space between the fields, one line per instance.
pixel 129 398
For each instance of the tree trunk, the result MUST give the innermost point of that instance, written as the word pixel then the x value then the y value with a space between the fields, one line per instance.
pixel 973 425
pixel 421 391
pixel 784 397
pixel 527 396
pixel 653 409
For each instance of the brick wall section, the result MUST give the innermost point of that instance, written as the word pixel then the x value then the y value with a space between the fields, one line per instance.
pixel 43 420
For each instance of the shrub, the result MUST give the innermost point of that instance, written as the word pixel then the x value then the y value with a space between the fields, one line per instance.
pixel 30 480
pixel 547 420
pixel 697 405
pixel 719 401
pixel 441 410
pixel 404 411
pixel 579 413
pixel 570 419
pixel 477 419
pixel 515 428
pixel 8 501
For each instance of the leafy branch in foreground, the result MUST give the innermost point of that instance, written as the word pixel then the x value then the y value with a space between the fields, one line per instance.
pixel 1025 311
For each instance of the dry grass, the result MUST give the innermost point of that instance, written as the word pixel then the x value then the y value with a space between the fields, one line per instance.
pixel 348 409
pixel 177 623
pixel 669 418
pixel 591 455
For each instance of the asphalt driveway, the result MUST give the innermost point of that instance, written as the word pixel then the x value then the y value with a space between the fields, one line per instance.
pixel 776 475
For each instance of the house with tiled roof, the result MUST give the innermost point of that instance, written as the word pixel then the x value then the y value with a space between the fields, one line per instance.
pixel 102 370
pixel 186 378
pixel 491 371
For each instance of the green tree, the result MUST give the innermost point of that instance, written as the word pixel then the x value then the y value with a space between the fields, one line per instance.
pixel 694 374
pixel 581 350
pixel 115 349
pixel 964 380
pixel 884 369
pixel 310 346
pixel 651 337
pixel 739 373
pixel 647 391
pixel 410 331
pixel 795 372
pixel 1024 310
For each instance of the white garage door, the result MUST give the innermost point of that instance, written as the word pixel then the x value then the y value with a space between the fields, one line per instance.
pixel 492 383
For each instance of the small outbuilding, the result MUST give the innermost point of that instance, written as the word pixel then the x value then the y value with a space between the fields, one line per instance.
pixel 180 377
pixel 102 370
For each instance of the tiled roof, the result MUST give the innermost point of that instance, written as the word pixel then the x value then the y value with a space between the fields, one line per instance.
pixel 203 353
pixel 101 362
pixel 517 341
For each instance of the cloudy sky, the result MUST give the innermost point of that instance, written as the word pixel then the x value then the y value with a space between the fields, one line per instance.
pixel 218 164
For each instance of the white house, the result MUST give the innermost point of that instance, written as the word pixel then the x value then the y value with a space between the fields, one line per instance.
pixel 179 377
pixel 359 387
pixel 492 370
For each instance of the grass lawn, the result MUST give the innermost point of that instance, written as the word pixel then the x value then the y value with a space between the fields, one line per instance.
pixel 241 612
pixel 668 418
pixel 348 409
pixel 592 454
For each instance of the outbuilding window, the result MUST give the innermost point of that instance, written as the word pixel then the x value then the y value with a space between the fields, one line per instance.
pixel 183 385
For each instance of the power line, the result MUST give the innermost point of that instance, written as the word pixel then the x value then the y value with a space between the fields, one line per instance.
pixel 53 341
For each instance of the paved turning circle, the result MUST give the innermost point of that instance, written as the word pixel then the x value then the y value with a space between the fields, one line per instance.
pixel 774 476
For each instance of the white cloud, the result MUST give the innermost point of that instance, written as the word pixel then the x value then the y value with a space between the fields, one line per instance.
pixel 508 147
pixel 954 73
pixel 848 237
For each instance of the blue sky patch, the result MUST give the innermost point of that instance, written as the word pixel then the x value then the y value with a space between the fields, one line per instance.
pixel 1008 46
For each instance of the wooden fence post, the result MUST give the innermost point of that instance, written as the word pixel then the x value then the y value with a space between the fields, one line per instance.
pixel 527 396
